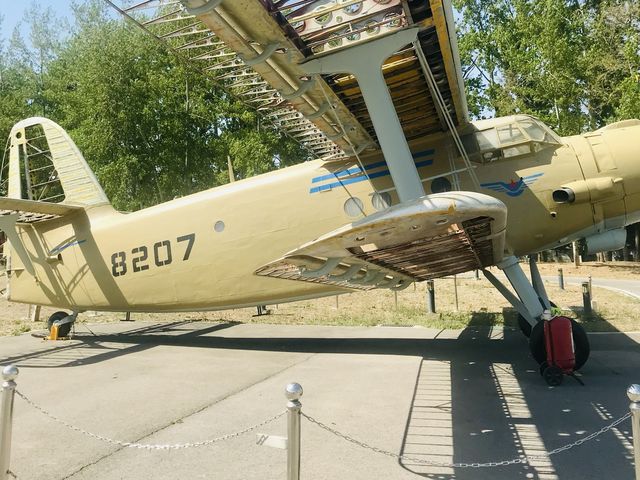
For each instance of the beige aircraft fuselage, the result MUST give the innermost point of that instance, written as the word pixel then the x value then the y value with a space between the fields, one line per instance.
pixel 201 251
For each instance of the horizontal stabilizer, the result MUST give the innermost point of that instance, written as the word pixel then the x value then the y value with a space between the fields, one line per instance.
pixel 434 236
pixel 15 211
pixel 31 211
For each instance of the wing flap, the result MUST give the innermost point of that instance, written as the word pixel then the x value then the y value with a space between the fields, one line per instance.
pixel 435 236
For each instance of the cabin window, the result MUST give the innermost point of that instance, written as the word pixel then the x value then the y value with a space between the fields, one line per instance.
pixel 354 207
pixel 381 201
pixel 441 185
pixel 488 140
pixel 510 134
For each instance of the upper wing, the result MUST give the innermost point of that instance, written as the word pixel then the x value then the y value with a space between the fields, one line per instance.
pixel 438 235
pixel 254 48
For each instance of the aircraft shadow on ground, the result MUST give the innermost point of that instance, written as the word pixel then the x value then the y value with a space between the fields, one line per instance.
pixel 477 398
pixel 486 409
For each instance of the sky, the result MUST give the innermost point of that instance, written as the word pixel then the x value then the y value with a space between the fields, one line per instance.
pixel 12 12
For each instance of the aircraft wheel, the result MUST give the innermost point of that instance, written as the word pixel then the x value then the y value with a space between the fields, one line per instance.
pixel 580 344
pixel 63 330
pixel 536 343
pixel 525 327
pixel 553 376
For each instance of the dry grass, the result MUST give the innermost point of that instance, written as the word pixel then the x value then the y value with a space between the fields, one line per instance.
pixel 478 304
pixel 621 270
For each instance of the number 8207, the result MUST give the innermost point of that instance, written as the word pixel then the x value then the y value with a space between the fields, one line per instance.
pixel 161 252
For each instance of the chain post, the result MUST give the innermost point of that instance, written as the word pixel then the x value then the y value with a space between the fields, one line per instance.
pixel 560 279
pixel 633 392
pixel 586 299
pixel 9 374
pixel 431 297
pixel 293 392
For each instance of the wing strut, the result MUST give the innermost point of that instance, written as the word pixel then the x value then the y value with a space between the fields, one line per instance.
pixel 365 61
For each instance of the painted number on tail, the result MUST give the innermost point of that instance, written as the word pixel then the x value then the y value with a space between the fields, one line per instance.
pixel 161 252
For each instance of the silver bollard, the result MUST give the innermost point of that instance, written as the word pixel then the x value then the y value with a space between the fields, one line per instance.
pixel 293 393
pixel 633 392
pixel 9 374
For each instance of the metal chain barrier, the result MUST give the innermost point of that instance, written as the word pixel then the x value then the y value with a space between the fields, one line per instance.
pixel 143 446
pixel 502 463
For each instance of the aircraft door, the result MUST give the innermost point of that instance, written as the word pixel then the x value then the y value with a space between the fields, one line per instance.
pixel 603 183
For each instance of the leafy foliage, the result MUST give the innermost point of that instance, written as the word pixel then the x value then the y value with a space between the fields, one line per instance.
pixel 151 126
pixel 573 63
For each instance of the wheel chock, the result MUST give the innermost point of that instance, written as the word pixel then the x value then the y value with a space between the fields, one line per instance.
pixel 53 333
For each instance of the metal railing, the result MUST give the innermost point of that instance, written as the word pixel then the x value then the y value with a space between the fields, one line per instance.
pixel 291 443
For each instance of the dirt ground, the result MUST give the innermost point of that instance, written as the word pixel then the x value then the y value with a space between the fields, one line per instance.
pixel 478 303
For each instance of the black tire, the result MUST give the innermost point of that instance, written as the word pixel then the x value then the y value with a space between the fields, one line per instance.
pixel 63 330
pixel 525 326
pixel 553 376
pixel 536 343
pixel 580 344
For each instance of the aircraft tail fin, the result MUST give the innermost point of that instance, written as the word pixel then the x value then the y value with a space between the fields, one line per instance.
pixel 45 165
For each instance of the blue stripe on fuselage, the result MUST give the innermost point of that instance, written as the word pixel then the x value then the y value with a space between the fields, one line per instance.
pixel 357 170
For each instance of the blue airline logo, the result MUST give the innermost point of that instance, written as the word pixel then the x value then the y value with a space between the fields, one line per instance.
pixel 356 174
pixel 513 188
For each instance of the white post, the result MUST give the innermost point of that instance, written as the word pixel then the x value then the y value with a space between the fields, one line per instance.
pixel 9 374
pixel 633 392
pixel 293 393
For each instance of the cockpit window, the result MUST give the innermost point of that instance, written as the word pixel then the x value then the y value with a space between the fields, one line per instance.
pixel 521 136
pixel 509 134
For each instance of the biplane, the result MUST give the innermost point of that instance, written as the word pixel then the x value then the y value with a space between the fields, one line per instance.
pixel 404 186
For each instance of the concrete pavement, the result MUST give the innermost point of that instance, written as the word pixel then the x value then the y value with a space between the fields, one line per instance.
pixel 449 396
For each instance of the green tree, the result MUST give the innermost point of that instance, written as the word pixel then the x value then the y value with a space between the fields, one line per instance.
pixel 573 63
pixel 152 126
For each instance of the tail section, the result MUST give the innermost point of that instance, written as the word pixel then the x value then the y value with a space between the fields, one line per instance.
pixel 48 179
pixel 45 165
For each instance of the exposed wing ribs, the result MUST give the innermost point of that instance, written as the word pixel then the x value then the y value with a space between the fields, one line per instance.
pixel 253 48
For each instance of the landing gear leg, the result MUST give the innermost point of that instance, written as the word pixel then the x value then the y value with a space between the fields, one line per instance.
pixel 538 286
pixel 527 302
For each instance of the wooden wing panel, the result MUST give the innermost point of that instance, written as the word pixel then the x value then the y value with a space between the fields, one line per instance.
pixel 438 235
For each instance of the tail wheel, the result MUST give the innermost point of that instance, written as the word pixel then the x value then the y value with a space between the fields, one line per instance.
pixel 63 330
pixel 580 344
